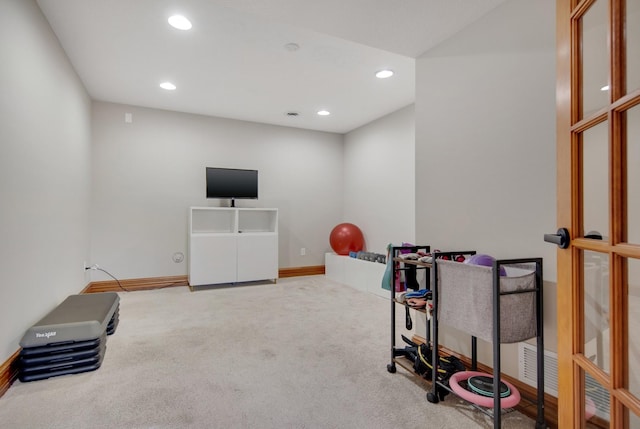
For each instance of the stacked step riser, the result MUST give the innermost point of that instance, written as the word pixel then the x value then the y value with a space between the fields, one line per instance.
pixel 71 339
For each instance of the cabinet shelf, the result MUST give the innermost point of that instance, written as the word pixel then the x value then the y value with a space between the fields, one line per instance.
pixel 229 245
pixel 212 220
pixel 257 220
pixel 212 234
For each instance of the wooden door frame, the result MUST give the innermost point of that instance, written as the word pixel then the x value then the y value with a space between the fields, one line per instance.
pixel 567 409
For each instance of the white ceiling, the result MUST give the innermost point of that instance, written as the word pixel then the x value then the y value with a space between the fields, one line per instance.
pixel 233 63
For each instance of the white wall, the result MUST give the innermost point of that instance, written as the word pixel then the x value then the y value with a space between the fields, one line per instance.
pixel 44 172
pixel 485 142
pixel 147 173
pixel 380 179
pixel 484 120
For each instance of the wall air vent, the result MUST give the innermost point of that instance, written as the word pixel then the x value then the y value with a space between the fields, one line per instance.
pixel 527 372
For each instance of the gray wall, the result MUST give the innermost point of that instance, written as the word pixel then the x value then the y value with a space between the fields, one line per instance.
pixel 146 174
pixel 380 180
pixel 44 172
pixel 81 185
pixel 485 138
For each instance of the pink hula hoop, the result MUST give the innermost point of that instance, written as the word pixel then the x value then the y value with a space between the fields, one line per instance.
pixel 484 401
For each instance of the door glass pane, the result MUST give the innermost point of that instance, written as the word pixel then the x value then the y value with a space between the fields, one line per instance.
pixel 596 403
pixel 595 59
pixel 634 326
pixel 632 31
pixel 634 421
pixel 595 179
pixel 596 308
pixel 633 174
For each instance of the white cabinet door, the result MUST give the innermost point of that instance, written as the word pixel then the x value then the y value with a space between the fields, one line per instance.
pixel 212 259
pixel 257 256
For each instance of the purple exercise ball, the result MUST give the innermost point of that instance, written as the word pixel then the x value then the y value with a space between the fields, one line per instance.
pixel 485 260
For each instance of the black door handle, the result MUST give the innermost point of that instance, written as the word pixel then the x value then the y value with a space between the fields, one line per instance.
pixel 561 238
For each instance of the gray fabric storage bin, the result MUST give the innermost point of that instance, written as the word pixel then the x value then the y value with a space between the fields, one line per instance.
pixel 465 301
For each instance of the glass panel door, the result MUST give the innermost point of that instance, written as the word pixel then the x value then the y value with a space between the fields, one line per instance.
pixel 632 29
pixel 598 102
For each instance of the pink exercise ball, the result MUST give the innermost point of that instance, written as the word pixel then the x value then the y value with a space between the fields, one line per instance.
pixel 345 238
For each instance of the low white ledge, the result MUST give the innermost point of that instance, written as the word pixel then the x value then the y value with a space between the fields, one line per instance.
pixel 362 275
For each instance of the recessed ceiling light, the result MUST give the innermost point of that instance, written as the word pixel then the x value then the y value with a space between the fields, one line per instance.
pixel 605 88
pixel 383 74
pixel 179 22
pixel 292 47
pixel 168 86
pixel 324 112
pixel 292 114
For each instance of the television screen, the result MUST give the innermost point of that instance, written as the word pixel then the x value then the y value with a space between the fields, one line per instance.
pixel 232 183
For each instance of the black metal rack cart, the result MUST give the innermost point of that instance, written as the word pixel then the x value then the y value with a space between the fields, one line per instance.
pixel 403 265
pixel 407 266
pixel 462 295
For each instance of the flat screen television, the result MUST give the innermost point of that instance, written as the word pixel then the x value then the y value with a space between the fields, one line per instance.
pixel 232 183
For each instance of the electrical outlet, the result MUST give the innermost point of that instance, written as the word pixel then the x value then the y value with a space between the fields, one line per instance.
pixel 303 251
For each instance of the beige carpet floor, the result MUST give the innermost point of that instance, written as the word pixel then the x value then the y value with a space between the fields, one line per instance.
pixel 305 352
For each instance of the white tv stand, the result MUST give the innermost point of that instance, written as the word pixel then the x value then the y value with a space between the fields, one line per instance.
pixel 232 245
